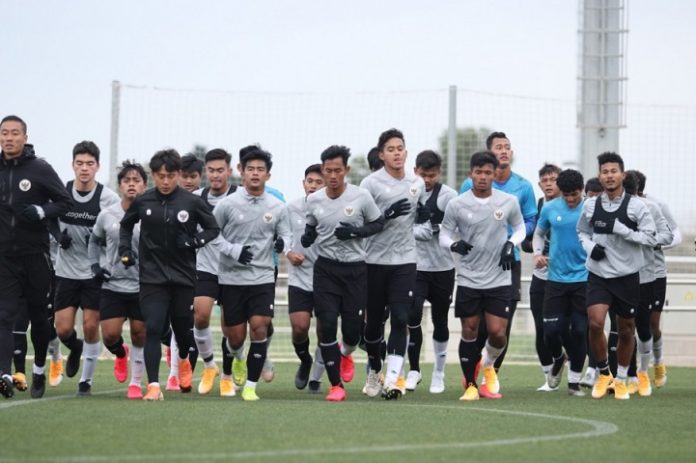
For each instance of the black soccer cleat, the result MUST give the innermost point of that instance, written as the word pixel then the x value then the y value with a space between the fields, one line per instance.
pixel 72 366
pixel 314 387
pixel 6 386
pixel 302 375
pixel 84 389
pixel 38 386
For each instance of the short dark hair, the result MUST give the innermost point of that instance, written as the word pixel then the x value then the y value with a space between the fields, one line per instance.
pixel 640 177
pixel 570 180
pixel 593 185
pixel 489 139
pixel 610 156
pixel 428 159
pixel 388 135
pixel 482 158
pixel 127 166
pixel 547 169
pixel 257 155
pixel 336 151
pixel 13 118
pixel 314 168
pixel 218 154
pixel 373 160
pixel 86 147
pixel 247 149
pixel 630 183
pixel 169 158
pixel 191 163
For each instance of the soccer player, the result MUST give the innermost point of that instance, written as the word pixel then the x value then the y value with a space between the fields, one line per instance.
pixel 510 182
pixel 300 284
pixel 31 193
pixel 191 173
pixel 481 217
pixel 391 261
pixel 564 308
pixel 249 220
pixel 660 288
pixel 76 286
pixel 547 183
pixel 120 286
pixel 339 218
pixel 219 173
pixel 434 277
pixel 612 228
pixel 169 216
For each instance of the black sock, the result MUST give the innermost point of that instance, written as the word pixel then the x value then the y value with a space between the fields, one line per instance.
pixel 415 341
pixel 612 342
pixel 71 342
pixel 332 360
pixel 373 354
pixel 557 364
pixel 633 367
pixel 574 386
pixel 603 367
pixel 256 358
pixel 117 348
pixel 193 350
pixel 469 356
pixel 20 352
pixel 383 350
pixel 227 358
pixel 302 351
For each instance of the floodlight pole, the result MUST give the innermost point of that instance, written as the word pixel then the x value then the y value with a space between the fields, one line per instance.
pixel 113 146
pixel 452 139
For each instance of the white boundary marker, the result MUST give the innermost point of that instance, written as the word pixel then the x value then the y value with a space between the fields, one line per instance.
pixel 597 429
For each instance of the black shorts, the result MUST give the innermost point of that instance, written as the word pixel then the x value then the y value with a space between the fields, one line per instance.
pixel 84 294
pixel 622 294
pixel 113 304
pixel 660 290
pixel 516 272
pixel 647 297
pixel 178 298
pixel 564 298
pixel 436 287
pixel 471 302
pixel 240 303
pixel 390 284
pixel 207 285
pixel 300 300
pixel 340 287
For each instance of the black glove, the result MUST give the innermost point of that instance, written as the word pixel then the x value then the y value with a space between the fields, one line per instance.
pixel 309 236
pixel 245 256
pixel 346 231
pixel 435 227
pixel 184 241
pixel 507 256
pixel 100 273
pixel 65 240
pixel 399 208
pixel 526 245
pixel 279 245
pixel 128 259
pixel 598 252
pixel 422 213
pixel 461 247
pixel 31 214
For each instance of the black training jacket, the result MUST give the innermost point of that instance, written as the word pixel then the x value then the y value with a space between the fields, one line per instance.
pixel 163 220
pixel 28 180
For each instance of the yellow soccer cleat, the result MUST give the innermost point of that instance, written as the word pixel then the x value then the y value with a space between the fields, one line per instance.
pixel 239 371
pixel 601 385
pixel 491 380
pixel 632 385
pixel 471 393
pixel 644 388
pixel 401 384
pixel 208 380
pixel 621 390
pixel 227 388
pixel 153 393
pixel 660 374
pixel 249 394
pixel 20 381
pixel 55 372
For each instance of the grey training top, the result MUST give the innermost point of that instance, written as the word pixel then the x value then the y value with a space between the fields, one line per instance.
pixel 431 256
pixel 106 232
pixel 660 264
pixel 247 220
pixel 355 207
pixel 208 257
pixel 664 237
pixel 395 244
pixel 624 255
pixel 300 276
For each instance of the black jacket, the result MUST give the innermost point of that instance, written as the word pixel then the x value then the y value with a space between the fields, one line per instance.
pixel 164 219
pixel 24 181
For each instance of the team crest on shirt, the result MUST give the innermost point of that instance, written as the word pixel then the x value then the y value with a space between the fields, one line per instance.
pixel 498 214
pixel 182 216
pixel 25 184
pixel 413 190
pixel 558 218
pixel 268 217
pixel 349 211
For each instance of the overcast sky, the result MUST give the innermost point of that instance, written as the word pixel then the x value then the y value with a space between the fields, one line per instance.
pixel 60 57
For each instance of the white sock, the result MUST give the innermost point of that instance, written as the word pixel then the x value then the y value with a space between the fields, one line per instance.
pixel 440 350
pixel 224 376
pixel 621 372
pixel 54 349
pixel 319 368
pixel 546 369
pixel 491 354
pixel 174 354
pixel 39 370
pixel 574 376
pixel 644 354
pixel 89 355
pixel 238 353
pixel 346 350
pixel 204 342
pixel 657 350
pixel 394 365
pixel 137 365
pixel 251 384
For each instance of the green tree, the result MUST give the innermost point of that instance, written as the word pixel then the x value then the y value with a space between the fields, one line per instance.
pixel 359 169
pixel 469 141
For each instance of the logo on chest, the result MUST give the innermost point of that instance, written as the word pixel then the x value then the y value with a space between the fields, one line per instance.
pixel 348 211
pixel 413 190
pixel 25 184
pixel 268 217
pixel 182 216
pixel 498 214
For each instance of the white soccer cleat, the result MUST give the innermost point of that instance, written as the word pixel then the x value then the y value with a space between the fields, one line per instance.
pixel 413 379
pixel 546 388
pixel 373 387
pixel 437 382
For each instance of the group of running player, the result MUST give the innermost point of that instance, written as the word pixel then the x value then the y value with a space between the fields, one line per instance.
pixel 360 255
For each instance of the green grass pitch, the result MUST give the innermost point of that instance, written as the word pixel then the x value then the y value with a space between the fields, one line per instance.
pixel 290 425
